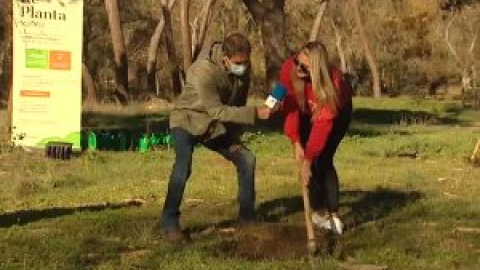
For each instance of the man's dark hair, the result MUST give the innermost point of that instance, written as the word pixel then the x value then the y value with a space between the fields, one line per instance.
pixel 236 43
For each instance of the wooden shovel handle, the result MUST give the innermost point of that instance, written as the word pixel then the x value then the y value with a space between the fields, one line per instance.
pixel 475 151
pixel 307 210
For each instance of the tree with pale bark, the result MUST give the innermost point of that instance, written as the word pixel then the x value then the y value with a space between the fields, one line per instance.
pixel 463 50
pixel 173 66
pixel 192 36
pixel 120 53
pixel 91 34
pixel 318 20
pixel 154 45
pixel 377 91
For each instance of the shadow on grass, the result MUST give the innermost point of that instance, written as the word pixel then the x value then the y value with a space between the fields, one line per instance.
pixel 390 117
pixel 274 124
pixel 368 131
pixel 368 122
pixel 23 217
pixel 372 118
pixel 138 124
pixel 364 132
pixel 272 239
pixel 367 206
pixel 100 120
pixel 361 206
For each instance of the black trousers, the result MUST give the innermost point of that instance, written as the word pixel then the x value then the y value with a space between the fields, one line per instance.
pixel 324 187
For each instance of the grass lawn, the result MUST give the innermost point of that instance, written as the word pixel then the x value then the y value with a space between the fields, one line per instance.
pixel 409 197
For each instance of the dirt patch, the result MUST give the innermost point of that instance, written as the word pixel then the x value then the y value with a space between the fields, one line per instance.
pixel 270 241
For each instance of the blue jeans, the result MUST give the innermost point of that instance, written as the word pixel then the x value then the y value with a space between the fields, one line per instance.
pixel 184 145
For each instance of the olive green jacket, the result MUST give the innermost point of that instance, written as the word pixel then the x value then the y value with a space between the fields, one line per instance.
pixel 212 102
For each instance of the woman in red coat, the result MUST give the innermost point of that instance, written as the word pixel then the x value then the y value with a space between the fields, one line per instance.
pixel 318 109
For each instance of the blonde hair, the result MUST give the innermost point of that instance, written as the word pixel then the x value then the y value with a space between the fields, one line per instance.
pixel 319 73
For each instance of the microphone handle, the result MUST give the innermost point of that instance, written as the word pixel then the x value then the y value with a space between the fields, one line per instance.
pixel 271 102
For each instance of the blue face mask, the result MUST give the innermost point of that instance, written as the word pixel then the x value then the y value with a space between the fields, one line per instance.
pixel 238 70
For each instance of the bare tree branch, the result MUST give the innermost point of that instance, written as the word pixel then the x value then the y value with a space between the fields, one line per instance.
pixel 155 39
pixel 464 62
pixel 153 48
pixel 154 42
pixel 377 92
pixel 474 41
pixel 120 53
pixel 447 39
pixel 340 50
pixel 89 85
pixel 318 20
pixel 175 71
pixel 203 25
pixel 199 31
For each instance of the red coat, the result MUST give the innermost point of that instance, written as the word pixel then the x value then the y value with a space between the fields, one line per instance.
pixel 323 122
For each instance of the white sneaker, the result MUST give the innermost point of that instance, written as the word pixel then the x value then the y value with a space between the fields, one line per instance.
pixel 319 221
pixel 335 225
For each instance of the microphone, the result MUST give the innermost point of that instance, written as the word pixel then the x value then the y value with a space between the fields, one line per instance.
pixel 276 97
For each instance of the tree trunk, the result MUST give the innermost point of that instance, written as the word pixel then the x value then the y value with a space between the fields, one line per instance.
pixel 120 53
pixel 273 35
pixel 152 56
pixel 185 32
pixel 89 84
pixel 9 62
pixel 377 93
pixel 171 55
pixel 152 83
pixel 272 24
pixel 340 50
pixel 199 38
pixel 318 20
pixel 87 78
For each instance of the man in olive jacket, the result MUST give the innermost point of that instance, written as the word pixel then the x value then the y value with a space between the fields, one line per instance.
pixel 211 110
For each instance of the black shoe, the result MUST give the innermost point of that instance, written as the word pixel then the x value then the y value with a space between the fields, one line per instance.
pixel 175 235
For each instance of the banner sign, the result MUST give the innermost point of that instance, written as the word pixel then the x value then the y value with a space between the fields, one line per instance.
pixel 47 72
